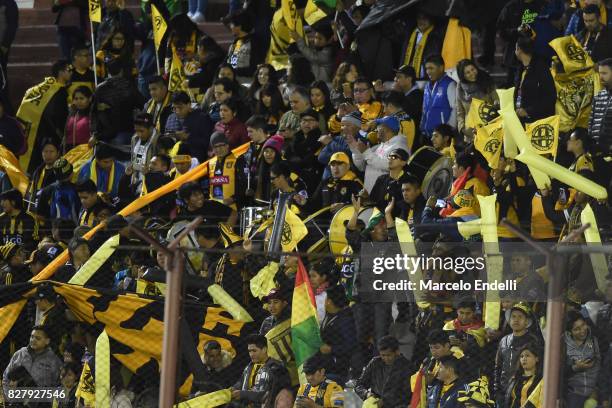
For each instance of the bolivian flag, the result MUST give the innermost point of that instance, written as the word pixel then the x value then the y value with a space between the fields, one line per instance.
pixel 305 335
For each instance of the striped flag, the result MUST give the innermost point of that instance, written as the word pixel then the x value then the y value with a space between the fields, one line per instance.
pixel 305 335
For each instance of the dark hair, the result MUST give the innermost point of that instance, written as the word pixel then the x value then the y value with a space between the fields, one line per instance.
pixel 322 86
pixel 571 318
pixel 435 59
pixel 277 105
pixel 184 149
pixel 212 345
pixel 257 340
pixel 210 45
pixel 281 169
pixel 228 66
pixel 75 243
pixel 445 130
pixel 14 196
pixel 83 90
pixel 394 98
pixel 165 142
pixel 325 267
pixel 181 97
pixel 186 190
pixel 388 343
pixel 363 80
pixel 279 379
pixel 143 119
pixel 526 44
pixel 104 151
pixel 228 85
pixel 208 231
pixel 451 362
pixel 65 228
pixel 324 28
pixel 232 104
pixel 255 85
pixel 157 79
pixel 300 72
pixel 606 63
pixel 302 91
pixel 86 186
pixel 591 9
pixel 313 364
pixel 340 75
pixel 410 179
pixel 72 366
pixel 241 19
pixel 114 66
pixel 438 336
pixel 464 159
pixel 42 328
pixel 77 48
pixel 77 350
pixel 59 66
pixel 484 82
pixel 583 135
pixel 257 122
pixel 337 296
pixel 165 159
pixel 537 351
pixel 466 304
pixel 101 207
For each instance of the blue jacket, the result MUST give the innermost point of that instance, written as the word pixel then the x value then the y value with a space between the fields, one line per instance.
pixel 437 109
pixel 65 203
pixel 448 400
pixel 446 226
pixel 103 175
pixel 338 144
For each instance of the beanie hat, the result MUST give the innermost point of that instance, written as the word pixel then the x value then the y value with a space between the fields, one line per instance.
pixel 8 250
pixel 218 137
pixel 353 118
pixel 62 168
pixel 275 142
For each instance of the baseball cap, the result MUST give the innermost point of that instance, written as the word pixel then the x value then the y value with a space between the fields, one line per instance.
pixel 340 157
pixel 389 121
pixel 523 308
pixel 62 168
pixel 406 70
pixel 275 293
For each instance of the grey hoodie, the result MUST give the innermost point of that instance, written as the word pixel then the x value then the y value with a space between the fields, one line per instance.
pixel 581 382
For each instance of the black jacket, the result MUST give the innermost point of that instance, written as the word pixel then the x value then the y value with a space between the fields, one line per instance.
pixel 392 385
pixel 599 47
pixel 338 331
pixel 536 90
pixel 122 99
pixel 508 22
pixel 600 124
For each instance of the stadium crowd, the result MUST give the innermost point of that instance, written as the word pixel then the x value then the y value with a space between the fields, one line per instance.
pixel 338 145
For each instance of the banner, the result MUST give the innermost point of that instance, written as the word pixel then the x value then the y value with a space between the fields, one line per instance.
pixel 86 390
pixel 544 135
pixel 30 114
pixel 480 114
pixel 78 156
pixel 571 54
pixel 294 230
pixel 574 98
pixel 95 11
pixel 159 26
pixel 457 44
pixel 489 140
pixel 177 75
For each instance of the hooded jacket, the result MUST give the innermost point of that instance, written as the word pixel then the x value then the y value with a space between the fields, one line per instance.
pixel 582 382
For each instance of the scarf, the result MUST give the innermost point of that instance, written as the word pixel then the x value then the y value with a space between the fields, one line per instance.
pixel 414 51
pixel 93 175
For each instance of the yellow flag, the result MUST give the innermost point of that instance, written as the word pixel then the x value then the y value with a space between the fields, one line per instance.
pixel 480 114
pixel 89 268
pixel 86 390
pixel 488 141
pixel 544 135
pixel 575 93
pixel 457 44
pixel 95 11
pixel 210 400
pixel 591 236
pixel 571 54
pixel 159 26
pixel 177 76
pixel 294 230
pixel 103 382
pixel 78 156
pixel 10 165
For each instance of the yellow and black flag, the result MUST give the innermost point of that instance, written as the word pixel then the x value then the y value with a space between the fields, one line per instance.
pixel 95 11
pixel 30 114
pixel 571 54
pixel 159 26
pixel 544 135
pixel 480 114
pixel 489 140
pixel 177 74
pixel 134 323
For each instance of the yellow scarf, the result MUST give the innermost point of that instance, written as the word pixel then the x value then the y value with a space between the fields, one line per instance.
pixel 93 175
pixel 157 115
pixel 227 179
pixel 415 59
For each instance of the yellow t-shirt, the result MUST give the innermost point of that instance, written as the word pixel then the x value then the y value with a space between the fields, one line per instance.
pixel 322 393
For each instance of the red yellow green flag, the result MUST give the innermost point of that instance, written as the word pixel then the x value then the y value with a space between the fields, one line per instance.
pixel 305 335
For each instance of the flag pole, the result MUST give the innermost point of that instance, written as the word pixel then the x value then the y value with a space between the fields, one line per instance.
pixel 93 52
pixel 157 61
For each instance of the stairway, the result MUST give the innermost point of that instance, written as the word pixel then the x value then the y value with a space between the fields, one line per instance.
pixel 36 47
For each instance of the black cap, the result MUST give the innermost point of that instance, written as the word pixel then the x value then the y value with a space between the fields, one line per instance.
pixel 406 70
pixel 12 195
pixel 403 154
pixel 45 291
pixel 310 113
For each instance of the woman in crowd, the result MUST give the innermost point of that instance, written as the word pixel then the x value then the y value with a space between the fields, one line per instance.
pixel 78 123
pixel 321 276
pixel 342 84
pixel 474 83
pixel 270 106
pixel 272 154
pixel 225 70
pixel 234 129
pixel 582 360
pixel 321 102
pixel 116 49
pixel 279 392
pixel 526 378
pixel 265 74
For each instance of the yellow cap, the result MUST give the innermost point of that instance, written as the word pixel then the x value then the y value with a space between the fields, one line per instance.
pixel 340 157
